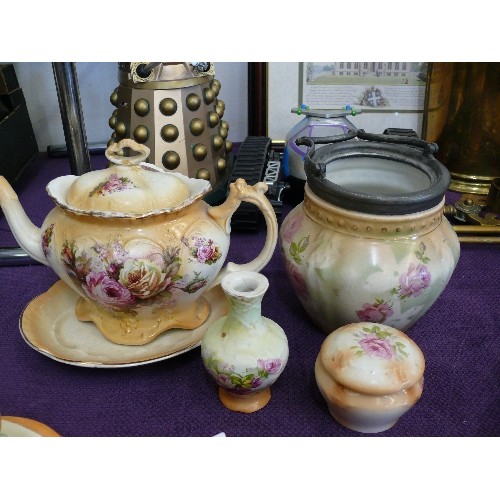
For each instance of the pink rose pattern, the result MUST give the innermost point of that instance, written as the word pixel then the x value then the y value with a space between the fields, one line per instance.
pixel 112 185
pixel 412 283
pixel 298 281
pixel 379 343
pixel 123 277
pixel 203 250
pixel 375 313
pixel 291 228
pixel 224 374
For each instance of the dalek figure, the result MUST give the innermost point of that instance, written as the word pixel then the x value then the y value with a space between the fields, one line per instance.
pixel 173 108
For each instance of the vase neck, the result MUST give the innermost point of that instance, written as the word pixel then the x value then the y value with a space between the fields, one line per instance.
pixel 244 292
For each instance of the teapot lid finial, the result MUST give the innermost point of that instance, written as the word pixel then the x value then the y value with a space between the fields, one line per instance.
pixel 142 150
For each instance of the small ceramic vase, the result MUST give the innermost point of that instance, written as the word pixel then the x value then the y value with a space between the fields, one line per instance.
pixel 370 375
pixel 244 352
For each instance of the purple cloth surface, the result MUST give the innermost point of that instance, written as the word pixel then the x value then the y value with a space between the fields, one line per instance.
pixel 175 397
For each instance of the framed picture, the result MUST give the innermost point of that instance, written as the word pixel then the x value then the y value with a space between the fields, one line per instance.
pixel 383 100
pixel 367 86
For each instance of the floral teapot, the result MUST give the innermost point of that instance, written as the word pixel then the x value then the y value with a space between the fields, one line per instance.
pixel 137 243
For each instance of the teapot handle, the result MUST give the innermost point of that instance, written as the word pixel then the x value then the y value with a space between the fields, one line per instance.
pixel 111 152
pixel 240 191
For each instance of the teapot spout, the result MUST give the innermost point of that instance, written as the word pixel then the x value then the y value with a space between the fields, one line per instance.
pixel 25 232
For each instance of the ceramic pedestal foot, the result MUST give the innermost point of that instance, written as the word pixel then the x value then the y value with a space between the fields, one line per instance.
pixel 122 328
pixel 245 403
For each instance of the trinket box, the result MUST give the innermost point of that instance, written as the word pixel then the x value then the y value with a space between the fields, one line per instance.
pixel 370 375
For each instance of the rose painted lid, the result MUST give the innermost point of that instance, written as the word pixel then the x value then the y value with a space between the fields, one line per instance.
pixel 130 188
pixel 371 358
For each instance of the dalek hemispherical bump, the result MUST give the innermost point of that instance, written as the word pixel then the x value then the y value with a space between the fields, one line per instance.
pixel 141 134
pixel 169 133
pixel 141 107
pixel 171 160
pixel 224 125
pixel 196 126
pixel 219 111
pixel 199 152
pixel 229 146
pixel 223 132
pixel 113 98
pixel 221 103
pixel 221 164
pixel 203 173
pixel 193 102
pixel 213 119
pixel 112 121
pixel 121 129
pixel 217 142
pixel 208 95
pixel 168 106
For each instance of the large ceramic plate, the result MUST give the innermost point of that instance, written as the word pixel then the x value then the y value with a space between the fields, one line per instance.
pixel 24 427
pixel 49 325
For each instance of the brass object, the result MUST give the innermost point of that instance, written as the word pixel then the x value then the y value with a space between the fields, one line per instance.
pixel 203 173
pixel 196 126
pixel 224 124
pixel 223 132
pixel 171 160
pixel 219 111
pixel 221 103
pixel 217 142
pixel 165 85
pixel 141 134
pixel 221 164
pixel 114 98
pixel 193 102
pixel 213 119
pixel 177 128
pixel 229 146
pixel 113 136
pixel 168 106
pixel 216 86
pixel 199 152
pixel 111 141
pixel 462 116
pixel 112 121
pixel 479 239
pixel 141 107
pixel 121 129
pixel 208 95
pixel 493 200
pixel 169 133
pixel 479 224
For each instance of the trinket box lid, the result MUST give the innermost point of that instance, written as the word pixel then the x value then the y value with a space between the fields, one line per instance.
pixel 372 358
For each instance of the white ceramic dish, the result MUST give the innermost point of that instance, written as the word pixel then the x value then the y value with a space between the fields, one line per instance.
pixel 24 427
pixel 49 325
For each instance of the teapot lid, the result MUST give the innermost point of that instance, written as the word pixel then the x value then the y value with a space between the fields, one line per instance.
pixel 130 188
pixel 372 358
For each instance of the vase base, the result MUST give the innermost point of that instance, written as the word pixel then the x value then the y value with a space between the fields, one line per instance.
pixel 245 403
pixel 126 329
